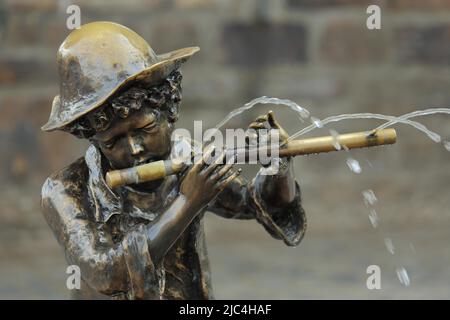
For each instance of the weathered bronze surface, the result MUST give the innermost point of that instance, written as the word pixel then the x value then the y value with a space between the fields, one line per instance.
pixel 100 59
pixel 160 169
pixel 145 241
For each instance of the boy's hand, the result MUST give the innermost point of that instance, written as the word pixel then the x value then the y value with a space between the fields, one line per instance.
pixel 203 181
pixel 268 121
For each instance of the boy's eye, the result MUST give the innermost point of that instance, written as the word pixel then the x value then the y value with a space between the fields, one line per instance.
pixel 150 127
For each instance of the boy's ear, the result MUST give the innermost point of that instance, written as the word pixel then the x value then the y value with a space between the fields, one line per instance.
pixel 173 113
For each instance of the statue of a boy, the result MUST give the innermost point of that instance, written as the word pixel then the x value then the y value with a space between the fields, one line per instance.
pixel 144 241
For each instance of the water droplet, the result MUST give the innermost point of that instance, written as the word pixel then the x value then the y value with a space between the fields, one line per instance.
pixel 354 165
pixel 389 245
pixel 435 137
pixel 316 122
pixel 413 249
pixel 447 145
pixel 373 217
pixel 301 119
pixel 402 275
pixel 303 113
pixel 335 136
pixel 369 197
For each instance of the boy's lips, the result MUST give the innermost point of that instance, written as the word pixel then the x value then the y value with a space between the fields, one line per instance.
pixel 143 160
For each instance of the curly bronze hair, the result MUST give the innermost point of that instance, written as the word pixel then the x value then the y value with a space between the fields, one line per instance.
pixel 166 96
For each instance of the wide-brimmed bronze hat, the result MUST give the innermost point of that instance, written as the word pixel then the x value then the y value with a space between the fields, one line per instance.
pixel 100 59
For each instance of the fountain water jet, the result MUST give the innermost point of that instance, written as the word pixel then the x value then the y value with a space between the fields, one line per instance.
pixel 432 135
pixel 304 113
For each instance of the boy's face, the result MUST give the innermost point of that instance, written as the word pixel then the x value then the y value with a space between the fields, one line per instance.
pixel 142 137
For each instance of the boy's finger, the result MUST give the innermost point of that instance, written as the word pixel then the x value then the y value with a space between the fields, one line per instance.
pixel 224 170
pixel 219 161
pixel 224 182
pixel 257 125
pixel 261 118
pixel 201 160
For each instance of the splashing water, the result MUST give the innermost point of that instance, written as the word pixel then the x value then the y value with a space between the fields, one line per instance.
pixel 413 249
pixel 304 114
pixel 373 217
pixel 402 275
pixel 389 245
pixel 417 113
pixel 447 145
pixel 432 135
pixel 354 165
pixel 335 136
pixel 370 200
pixel 369 197
pixel 316 122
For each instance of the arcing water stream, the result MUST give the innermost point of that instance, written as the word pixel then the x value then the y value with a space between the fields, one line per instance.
pixel 369 196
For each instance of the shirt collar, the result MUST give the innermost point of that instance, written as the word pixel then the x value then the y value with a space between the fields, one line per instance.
pixel 106 202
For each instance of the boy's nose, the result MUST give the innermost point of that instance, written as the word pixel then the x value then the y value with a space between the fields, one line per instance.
pixel 136 146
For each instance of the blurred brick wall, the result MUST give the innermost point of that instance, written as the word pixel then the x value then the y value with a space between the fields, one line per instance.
pixel 318 53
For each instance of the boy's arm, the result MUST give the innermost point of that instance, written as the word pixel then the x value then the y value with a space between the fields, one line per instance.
pixel 109 267
pixel 274 200
pixel 269 200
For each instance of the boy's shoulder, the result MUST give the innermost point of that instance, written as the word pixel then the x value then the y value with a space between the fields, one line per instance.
pixel 70 181
pixel 65 198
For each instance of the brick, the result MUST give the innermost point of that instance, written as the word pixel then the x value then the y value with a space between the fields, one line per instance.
pixel 29 151
pixel 23 108
pixel 21 29
pixel 349 42
pixel 20 71
pixel 3 21
pixel 294 83
pixel 37 29
pixel 224 85
pixel 427 45
pixel 195 4
pixel 257 45
pixel 414 5
pixel 23 155
pixel 31 5
pixel 319 4
pixel 396 92
pixel 170 35
pixel 19 133
pixel 212 88
pixel 120 6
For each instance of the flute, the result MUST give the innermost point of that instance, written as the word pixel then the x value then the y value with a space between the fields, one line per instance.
pixel 162 168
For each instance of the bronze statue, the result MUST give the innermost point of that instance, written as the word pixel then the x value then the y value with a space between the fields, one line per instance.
pixel 145 241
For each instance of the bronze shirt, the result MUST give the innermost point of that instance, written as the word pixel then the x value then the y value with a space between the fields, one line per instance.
pixel 99 231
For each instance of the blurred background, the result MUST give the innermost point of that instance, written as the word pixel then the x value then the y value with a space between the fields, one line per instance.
pixel 318 53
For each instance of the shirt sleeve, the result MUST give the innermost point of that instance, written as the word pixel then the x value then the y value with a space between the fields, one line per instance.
pixel 122 269
pixel 287 223
pixel 145 280
pixel 243 200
